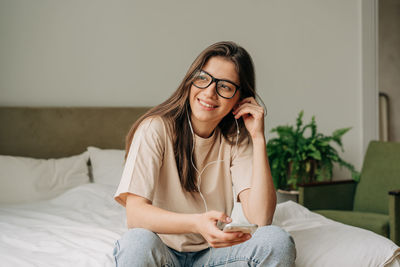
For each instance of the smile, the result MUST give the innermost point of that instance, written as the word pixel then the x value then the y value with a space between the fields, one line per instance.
pixel 206 105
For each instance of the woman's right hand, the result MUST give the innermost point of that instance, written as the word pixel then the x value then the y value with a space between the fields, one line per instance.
pixel 206 225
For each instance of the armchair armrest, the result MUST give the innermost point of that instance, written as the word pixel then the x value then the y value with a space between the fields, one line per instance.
pixel 394 192
pixel 394 216
pixel 337 195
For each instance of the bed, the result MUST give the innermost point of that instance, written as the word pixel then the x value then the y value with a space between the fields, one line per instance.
pixel 59 169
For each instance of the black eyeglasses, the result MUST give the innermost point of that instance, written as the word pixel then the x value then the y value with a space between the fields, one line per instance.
pixel 224 88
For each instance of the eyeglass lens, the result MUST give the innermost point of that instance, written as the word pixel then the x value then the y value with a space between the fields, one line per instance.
pixel 224 88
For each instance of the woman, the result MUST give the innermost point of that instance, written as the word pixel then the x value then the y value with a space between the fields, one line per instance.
pixel 184 155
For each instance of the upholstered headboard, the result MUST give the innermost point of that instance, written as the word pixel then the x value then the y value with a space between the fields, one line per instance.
pixel 53 132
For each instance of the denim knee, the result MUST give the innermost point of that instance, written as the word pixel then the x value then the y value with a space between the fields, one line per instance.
pixel 138 247
pixel 140 236
pixel 280 243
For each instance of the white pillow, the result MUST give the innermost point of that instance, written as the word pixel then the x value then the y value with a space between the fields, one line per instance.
pixel 107 165
pixel 24 179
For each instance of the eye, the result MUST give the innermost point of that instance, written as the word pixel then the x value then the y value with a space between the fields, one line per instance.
pixel 202 77
pixel 225 87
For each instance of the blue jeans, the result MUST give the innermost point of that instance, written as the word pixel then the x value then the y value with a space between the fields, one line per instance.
pixel 269 246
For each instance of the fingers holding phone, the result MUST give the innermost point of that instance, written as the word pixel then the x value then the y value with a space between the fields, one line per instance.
pixel 207 227
pixel 238 227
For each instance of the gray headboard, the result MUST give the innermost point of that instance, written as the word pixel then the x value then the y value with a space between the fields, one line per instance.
pixel 53 132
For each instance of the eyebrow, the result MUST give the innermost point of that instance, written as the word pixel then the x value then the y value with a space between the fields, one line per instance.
pixel 226 80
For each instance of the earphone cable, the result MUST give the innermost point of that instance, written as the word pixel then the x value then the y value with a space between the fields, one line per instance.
pixel 201 172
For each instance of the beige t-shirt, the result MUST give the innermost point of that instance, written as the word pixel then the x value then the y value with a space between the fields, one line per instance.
pixel 151 172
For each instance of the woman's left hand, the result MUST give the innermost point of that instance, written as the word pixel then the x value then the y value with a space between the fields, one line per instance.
pixel 253 116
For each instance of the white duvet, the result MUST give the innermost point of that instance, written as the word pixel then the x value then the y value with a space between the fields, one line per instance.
pixel 79 228
pixel 76 229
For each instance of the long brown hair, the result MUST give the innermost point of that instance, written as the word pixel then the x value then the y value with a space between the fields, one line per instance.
pixel 175 109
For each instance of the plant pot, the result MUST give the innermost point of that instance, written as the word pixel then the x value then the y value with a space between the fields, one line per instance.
pixel 283 195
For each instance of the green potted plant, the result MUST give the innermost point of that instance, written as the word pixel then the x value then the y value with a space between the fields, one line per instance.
pixel 295 158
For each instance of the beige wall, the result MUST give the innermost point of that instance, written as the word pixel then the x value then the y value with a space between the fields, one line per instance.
pixel 120 53
pixel 389 61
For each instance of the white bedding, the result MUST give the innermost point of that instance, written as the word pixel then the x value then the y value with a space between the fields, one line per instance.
pixel 324 242
pixel 79 228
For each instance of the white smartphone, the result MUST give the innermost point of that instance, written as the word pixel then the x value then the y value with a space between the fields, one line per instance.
pixel 240 227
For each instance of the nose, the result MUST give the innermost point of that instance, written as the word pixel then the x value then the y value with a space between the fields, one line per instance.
pixel 211 90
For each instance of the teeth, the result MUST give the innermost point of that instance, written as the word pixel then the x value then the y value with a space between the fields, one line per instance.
pixel 205 104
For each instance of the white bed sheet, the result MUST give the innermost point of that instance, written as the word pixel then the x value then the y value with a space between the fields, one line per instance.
pixel 80 227
pixel 321 242
pixel 324 242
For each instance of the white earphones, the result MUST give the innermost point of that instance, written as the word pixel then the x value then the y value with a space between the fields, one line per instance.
pixel 201 172
pixel 212 162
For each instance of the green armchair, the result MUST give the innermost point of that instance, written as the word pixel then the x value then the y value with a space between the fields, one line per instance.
pixel 373 203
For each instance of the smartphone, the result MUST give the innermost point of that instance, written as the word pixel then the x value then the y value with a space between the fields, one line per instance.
pixel 240 227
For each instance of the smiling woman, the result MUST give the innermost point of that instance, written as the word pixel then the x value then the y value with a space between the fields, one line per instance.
pixel 182 158
pixel 211 102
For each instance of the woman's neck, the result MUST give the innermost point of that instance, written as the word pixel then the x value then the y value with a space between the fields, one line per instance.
pixel 203 129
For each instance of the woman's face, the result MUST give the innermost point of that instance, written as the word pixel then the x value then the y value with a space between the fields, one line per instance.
pixel 208 108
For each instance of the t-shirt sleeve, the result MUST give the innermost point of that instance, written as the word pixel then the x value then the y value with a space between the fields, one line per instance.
pixel 242 166
pixel 142 166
